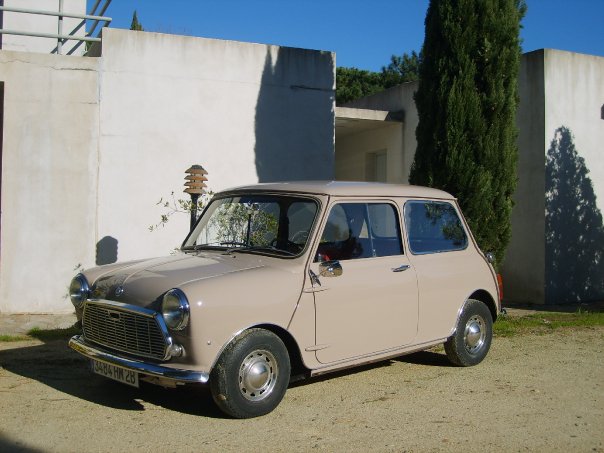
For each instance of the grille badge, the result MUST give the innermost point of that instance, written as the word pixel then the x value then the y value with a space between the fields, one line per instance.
pixel 119 291
pixel 114 315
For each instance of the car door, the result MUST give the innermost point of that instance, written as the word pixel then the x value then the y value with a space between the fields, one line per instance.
pixel 448 266
pixel 364 286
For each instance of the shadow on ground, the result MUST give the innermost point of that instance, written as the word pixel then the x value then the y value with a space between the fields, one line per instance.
pixel 62 369
pixel 58 367
pixel 426 358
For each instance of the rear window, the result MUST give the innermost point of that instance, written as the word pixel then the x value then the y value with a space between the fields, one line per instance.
pixel 433 227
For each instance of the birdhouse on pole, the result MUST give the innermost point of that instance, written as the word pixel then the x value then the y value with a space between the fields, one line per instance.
pixel 196 178
pixel 195 185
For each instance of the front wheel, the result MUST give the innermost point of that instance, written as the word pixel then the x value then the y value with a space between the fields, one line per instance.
pixel 471 341
pixel 252 374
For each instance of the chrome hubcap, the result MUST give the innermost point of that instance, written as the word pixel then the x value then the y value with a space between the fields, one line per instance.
pixel 258 375
pixel 474 334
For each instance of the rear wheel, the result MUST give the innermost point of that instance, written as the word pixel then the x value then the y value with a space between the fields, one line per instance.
pixel 471 341
pixel 252 374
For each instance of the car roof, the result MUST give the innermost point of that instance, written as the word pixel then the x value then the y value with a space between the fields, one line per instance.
pixel 345 188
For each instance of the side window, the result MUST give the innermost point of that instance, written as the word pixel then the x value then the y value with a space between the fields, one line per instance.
pixel 434 226
pixel 300 216
pixel 360 230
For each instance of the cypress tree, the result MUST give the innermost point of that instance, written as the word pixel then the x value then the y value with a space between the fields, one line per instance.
pixel 466 101
pixel 135 24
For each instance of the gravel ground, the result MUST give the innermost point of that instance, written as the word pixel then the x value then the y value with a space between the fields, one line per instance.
pixel 532 393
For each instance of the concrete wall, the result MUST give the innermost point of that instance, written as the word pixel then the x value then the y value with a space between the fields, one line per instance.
pixel 523 267
pixel 574 177
pixel 395 99
pixel 574 90
pixel 49 165
pixel 41 24
pixel 557 250
pixel 352 153
pixel 556 254
pixel 91 145
pixel 246 112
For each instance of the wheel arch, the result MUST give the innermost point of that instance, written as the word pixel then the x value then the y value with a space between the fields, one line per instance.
pixel 295 357
pixel 486 298
pixel 298 369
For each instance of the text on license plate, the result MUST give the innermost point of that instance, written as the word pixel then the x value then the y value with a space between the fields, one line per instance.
pixel 116 373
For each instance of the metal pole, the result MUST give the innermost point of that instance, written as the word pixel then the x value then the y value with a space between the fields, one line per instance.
pixel 49 35
pixel 40 12
pixel 60 31
pixel 194 198
pixel 96 22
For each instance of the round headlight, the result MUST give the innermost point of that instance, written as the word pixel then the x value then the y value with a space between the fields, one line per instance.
pixel 79 290
pixel 175 309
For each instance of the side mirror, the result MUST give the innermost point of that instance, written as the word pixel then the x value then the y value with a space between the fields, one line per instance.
pixel 490 257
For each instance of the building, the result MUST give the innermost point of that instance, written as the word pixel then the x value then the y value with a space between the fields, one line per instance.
pixel 556 254
pixel 91 144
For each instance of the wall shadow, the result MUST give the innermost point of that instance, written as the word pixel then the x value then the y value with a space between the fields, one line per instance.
pixel 294 116
pixel 106 251
pixel 574 231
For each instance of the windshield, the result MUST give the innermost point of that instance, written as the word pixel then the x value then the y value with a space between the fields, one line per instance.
pixel 255 223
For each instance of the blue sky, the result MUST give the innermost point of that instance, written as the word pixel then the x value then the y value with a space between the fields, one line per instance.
pixel 364 34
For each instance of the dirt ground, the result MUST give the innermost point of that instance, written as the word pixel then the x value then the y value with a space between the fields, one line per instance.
pixel 532 393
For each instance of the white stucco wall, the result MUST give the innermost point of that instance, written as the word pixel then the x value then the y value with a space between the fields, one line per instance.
pixel 574 90
pixel 41 24
pixel 49 157
pixel 246 112
pixel 524 263
pixel 556 89
pixel 574 109
pixel 91 145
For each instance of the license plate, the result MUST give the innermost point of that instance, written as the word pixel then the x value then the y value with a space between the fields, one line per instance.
pixel 116 373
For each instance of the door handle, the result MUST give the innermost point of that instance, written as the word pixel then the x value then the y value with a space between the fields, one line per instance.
pixel 402 268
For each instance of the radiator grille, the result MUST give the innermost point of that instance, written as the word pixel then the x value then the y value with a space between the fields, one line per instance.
pixel 132 333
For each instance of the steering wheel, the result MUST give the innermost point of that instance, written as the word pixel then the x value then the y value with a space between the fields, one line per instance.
pixel 300 236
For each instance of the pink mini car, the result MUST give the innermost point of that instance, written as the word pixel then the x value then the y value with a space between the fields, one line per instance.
pixel 283 280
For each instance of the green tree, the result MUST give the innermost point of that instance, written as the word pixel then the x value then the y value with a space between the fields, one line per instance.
pixel 466 101
pixel 353 83
pixel 136 25
pixel 404 68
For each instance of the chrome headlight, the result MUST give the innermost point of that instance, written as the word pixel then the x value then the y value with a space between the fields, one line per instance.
pixel 79 290
pixel 175 309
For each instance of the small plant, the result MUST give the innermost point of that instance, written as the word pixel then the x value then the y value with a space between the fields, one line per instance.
pixel 12 338
pixel 54 334
pixel 44 334
pixel 182 206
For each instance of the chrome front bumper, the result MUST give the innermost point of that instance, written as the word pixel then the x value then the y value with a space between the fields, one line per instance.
pixel 78 344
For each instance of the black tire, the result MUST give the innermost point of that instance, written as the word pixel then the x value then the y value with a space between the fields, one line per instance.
pixel 471 341
pixel 251 375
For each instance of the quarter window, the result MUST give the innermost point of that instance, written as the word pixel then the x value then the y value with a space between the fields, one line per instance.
pixel 360 230
pixel 433 227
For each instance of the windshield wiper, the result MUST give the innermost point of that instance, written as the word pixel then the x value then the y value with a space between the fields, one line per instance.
pixel 253 248
pixel 196 247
